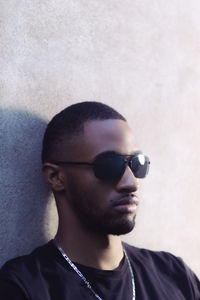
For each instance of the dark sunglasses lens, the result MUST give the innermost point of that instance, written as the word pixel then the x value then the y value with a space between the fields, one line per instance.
pixel 140 165
pixel 109 166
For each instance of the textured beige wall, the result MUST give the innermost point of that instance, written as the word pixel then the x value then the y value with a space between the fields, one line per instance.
pixel 143 58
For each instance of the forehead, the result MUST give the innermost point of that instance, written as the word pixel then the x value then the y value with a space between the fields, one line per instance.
pixel 104 135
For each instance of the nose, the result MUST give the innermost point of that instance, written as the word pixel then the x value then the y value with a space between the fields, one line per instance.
pixel 128 182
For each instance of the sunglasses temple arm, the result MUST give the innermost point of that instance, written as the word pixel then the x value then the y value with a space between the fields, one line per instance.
pixel 71 163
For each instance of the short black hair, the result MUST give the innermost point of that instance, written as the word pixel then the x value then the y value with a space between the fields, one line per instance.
pixel 70 121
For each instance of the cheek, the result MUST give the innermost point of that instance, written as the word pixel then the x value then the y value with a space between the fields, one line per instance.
pixel 85 187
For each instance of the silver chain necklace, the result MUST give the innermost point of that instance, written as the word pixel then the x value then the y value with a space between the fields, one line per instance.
pixel 74 267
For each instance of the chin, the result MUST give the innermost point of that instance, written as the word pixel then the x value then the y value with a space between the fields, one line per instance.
pixel 115 227
pixel 123 227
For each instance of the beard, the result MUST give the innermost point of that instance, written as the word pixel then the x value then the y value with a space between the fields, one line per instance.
pixel 107 225
pixel 94 219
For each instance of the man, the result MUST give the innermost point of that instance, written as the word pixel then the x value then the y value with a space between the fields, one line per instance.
pixel 93 165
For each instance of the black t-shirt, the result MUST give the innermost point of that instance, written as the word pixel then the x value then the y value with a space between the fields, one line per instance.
pixel 45 275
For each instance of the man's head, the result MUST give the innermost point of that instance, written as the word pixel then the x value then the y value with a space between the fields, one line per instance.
pixel 69 123
pixel 88 153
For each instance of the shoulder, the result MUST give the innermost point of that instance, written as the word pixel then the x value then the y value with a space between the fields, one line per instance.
pixel 41 270
pixel 161 264
pixel 155 259
pixel 28 264
pixel 151 257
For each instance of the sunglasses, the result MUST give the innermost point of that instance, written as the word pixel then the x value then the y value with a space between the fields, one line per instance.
pixel 111 165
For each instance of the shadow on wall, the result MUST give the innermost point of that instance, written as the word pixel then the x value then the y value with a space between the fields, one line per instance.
pixel 23 193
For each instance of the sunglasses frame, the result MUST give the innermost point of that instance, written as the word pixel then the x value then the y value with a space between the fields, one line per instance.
pixel 127 160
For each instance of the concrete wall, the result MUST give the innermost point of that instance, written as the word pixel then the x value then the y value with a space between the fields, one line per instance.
pixel 143 58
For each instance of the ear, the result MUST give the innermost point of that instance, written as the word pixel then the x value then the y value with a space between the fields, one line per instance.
pixel 53 176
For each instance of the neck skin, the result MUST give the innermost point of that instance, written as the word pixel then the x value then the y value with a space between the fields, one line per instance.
pixel 86 247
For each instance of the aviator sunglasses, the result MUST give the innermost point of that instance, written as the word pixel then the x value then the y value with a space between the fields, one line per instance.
pixel 111 165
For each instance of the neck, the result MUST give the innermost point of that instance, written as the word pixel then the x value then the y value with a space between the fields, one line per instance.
pixel 90 249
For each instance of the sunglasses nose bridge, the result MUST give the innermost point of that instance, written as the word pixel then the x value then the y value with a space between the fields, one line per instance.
pixel 128 163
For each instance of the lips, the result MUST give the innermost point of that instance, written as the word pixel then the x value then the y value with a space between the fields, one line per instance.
pixel 126 204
